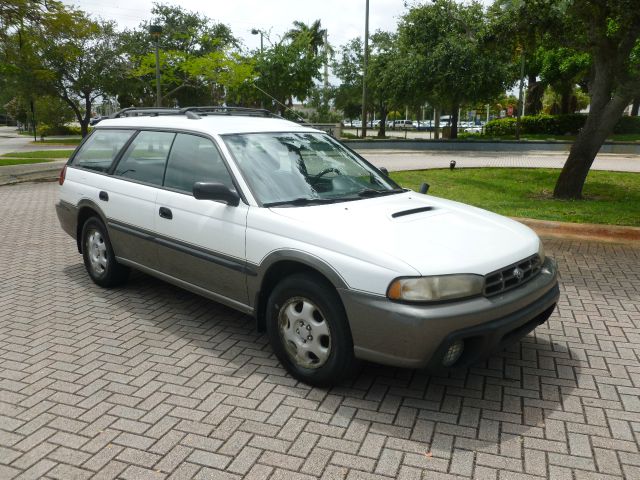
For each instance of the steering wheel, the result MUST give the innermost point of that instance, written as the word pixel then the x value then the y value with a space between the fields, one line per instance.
pixel 317 177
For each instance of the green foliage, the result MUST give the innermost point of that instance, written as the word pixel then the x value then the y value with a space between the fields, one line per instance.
pixel 45 130
pixel 501 127
pixel 555 125
pixel 451 52
pixel 627 125
pixel 52 111
pixel 287 69
pixel 198 59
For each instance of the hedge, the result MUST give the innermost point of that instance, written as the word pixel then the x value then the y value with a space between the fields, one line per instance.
pixel 45 130
pixel 554 125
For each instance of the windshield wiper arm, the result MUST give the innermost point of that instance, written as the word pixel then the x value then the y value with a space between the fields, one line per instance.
pixel 370 192
pixel 300 201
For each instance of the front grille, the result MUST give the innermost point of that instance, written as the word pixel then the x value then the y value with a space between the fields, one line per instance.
pixel 512 276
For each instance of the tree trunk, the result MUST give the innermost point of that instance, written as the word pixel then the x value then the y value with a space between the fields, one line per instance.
pixel 535 92
pixel 383 121
pixel 454 122
pixel 565 101
pixel 436 126
pixel 600 122
pixel 84 122
pixel 635 107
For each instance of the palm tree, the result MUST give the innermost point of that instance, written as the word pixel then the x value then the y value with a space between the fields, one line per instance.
pixel 313 34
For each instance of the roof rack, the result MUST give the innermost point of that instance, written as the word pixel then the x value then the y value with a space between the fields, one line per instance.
pixel 193 113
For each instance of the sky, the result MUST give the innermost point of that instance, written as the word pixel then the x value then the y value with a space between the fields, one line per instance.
pixel 343 19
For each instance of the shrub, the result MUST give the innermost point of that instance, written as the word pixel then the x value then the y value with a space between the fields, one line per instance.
pixel 555 125
pixel 45 130
pixel 501 127
pixel 627 125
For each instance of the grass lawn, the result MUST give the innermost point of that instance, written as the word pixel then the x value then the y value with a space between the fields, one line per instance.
pixel 21 161
pixel 58 141
pixel 40 154
pixel 609 197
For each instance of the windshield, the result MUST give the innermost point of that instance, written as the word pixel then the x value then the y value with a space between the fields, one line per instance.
pixel 304 168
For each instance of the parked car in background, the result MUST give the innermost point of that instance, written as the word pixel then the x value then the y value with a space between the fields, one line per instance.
pixel 474 129
pixel 403 124
pixel 282 222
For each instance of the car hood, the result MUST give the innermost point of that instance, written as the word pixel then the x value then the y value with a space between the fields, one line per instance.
pixel 432 235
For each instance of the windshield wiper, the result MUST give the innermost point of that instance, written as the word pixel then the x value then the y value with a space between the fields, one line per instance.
pixel 370 192
pixel 301 201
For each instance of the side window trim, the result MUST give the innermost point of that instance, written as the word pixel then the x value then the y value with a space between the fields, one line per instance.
pixel 120 154
pixel 166 164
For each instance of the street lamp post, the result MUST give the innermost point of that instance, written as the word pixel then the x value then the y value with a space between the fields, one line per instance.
pixel 364 71
pixel 255 31
pixel 156 31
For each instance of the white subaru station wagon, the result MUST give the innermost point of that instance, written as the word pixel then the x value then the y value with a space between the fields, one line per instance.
pixel 334 260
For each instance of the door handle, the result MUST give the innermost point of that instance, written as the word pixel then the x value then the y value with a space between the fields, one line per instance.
pixel 104 196
pixel 165 213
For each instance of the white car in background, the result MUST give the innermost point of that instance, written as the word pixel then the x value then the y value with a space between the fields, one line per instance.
pixel 280 221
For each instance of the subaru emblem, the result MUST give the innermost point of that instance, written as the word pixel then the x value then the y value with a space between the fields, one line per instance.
pixel 518 273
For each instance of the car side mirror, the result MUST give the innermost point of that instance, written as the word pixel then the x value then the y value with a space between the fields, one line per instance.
pixel 216 191
pixel 424 188
pixel 384 170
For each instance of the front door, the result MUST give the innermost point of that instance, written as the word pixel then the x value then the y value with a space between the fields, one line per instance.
pixel 201 242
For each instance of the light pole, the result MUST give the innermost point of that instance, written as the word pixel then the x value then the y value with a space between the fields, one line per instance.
pixel 156 31
pixel 256 31
pixel 364 71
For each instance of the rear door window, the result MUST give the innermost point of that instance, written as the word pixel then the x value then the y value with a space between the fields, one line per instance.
pixel 145 158
pixel 101 148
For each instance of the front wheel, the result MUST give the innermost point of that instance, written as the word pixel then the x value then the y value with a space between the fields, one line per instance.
pixel 308 330
pixel 99 259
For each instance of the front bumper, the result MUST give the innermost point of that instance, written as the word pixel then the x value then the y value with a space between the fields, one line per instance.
pixel 417 336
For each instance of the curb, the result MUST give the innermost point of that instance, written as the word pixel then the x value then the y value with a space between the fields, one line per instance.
pixel 33 172
pixel 583 231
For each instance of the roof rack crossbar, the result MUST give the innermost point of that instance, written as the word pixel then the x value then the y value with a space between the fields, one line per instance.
pixel 230 110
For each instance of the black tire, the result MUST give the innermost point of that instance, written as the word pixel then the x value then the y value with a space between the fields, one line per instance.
pixel 299 294
pixel 99 259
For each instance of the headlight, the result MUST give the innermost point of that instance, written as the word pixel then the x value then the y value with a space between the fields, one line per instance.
pixel 541 253
pixel 434 289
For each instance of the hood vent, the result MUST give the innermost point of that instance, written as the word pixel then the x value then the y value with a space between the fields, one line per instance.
pixel 404 213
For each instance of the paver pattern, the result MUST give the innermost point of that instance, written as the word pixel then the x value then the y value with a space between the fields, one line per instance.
pixel 150 381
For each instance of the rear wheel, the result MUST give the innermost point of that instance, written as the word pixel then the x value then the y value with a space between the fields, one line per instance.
pixel 308 330
pixel 99 259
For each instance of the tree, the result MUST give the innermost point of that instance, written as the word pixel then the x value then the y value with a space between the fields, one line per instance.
pixel 313 35
pixel 348 69
pixel 81 61
pixel 23 24
pixel 189 43
pixel 609 31
pixel 285 70
pixel 562 69
pixel 456 58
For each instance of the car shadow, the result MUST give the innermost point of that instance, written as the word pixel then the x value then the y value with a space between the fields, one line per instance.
pixel 485 408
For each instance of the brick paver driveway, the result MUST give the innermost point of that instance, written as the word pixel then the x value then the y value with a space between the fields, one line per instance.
pixel 150 381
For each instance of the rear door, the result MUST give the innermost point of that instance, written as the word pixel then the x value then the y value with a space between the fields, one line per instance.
pixel 201 242
pixel 132 192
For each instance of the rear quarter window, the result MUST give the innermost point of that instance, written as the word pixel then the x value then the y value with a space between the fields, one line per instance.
pixel 101 148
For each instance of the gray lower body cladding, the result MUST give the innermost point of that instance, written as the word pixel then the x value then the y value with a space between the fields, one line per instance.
pixel 417 336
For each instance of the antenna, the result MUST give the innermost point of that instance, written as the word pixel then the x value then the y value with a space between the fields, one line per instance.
pixel 302 120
